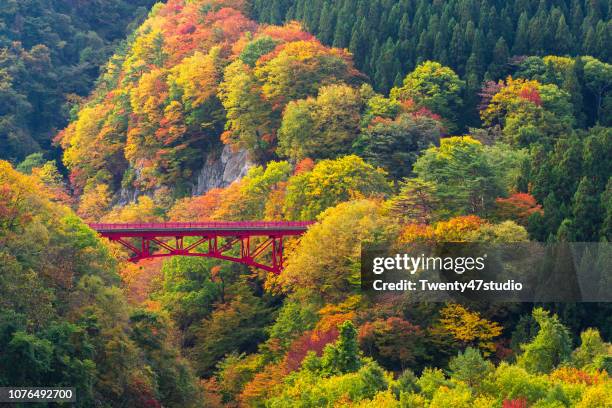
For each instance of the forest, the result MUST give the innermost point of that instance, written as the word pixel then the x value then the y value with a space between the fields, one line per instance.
pixel 51 54
pixel 385 122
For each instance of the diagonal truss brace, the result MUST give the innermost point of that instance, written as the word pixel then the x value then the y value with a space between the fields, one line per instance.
pixel 212 247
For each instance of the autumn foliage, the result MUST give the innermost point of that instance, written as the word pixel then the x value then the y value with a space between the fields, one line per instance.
pixel 518 207
pixel 159 105
pixel 201 79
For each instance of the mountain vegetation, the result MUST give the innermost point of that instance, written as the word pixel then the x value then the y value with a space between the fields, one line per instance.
pixel 51 52
pixel 64 320
pixel 480 40
pixel 386 123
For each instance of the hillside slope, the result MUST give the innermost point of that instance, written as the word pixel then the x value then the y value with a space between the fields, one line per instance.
pixel 50 52
pixel 478 39
pixel 162 104
pixel 371 168
pixel 64 320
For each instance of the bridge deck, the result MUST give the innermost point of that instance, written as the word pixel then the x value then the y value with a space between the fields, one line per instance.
pixel 226 227
pixel 241 241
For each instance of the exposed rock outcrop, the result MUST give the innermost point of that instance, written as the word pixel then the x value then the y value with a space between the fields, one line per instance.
pixel 220 170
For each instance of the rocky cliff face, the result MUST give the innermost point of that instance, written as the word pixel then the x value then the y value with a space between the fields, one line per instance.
pixel 220 170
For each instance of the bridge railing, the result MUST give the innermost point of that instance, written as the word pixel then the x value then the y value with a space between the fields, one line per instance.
pixel 203 225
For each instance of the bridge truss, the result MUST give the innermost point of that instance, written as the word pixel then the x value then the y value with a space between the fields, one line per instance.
pixel 258 244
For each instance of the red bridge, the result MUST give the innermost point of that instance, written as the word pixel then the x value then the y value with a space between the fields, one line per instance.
pixel 242 242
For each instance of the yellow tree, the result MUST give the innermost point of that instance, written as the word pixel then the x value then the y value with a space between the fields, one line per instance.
pixel 144 210
pixel 326 261
pixel 94 203
pixel 469 328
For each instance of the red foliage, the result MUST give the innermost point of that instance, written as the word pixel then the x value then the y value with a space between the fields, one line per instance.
pixel 313 340
pixel 407 105
pixel 59 138
pixel 78 179
pixel 212 392
pixel 515 403
pixel 456 228
pixel 424 112
pixel 291 31
pixel 172 7
pixel 416 111
pixel 379 120
pixel 573 375
pixel 304 166
pixel 199 208
pixel 231 23
pixel 502 351
pixel 187 28
pixel 9 210
pixel 263 384
pixel 138 279
pixel 532 95
pixel 142 394
pixel 269 138
pixel 518 207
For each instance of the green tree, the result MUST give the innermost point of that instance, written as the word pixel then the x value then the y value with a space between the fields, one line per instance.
pixel 598 79
pixel 331 182
pixel 255 49
pixel 334 274
pixel 395 145
pixel 235 326
pixel 529 112
pixel 586 212
pixel 188 291
pixel 470 367
pixel 415 202
pixel 257 185
pixel 434 87
pixel 248 117
pixel 63 314
pixel 53 54
pixel 343 356
pixel 324 127
pixel 501 54
pixel 550 347
pixel 293 319
pixel 464 178
pixel 592 351
pixel 606 204
pixel 30 162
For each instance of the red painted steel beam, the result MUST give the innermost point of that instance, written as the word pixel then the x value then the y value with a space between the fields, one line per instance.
pixel 237 236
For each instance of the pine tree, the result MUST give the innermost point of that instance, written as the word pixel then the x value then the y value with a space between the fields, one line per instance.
pixel 403 31
pixel 589 45
pixel 603 40
pixel 572 84
pixel 586 212
pixel 387 63
pixel 343 356
pixel 564 40
pixel 470 367
pixel 606 203
pixel 551 346
pixel 577 18
pixel 521 40
pixel 415 202
pixel 501 55
pixel 326 24
pixel 358 44
pixel 342 34
pixel 539 30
